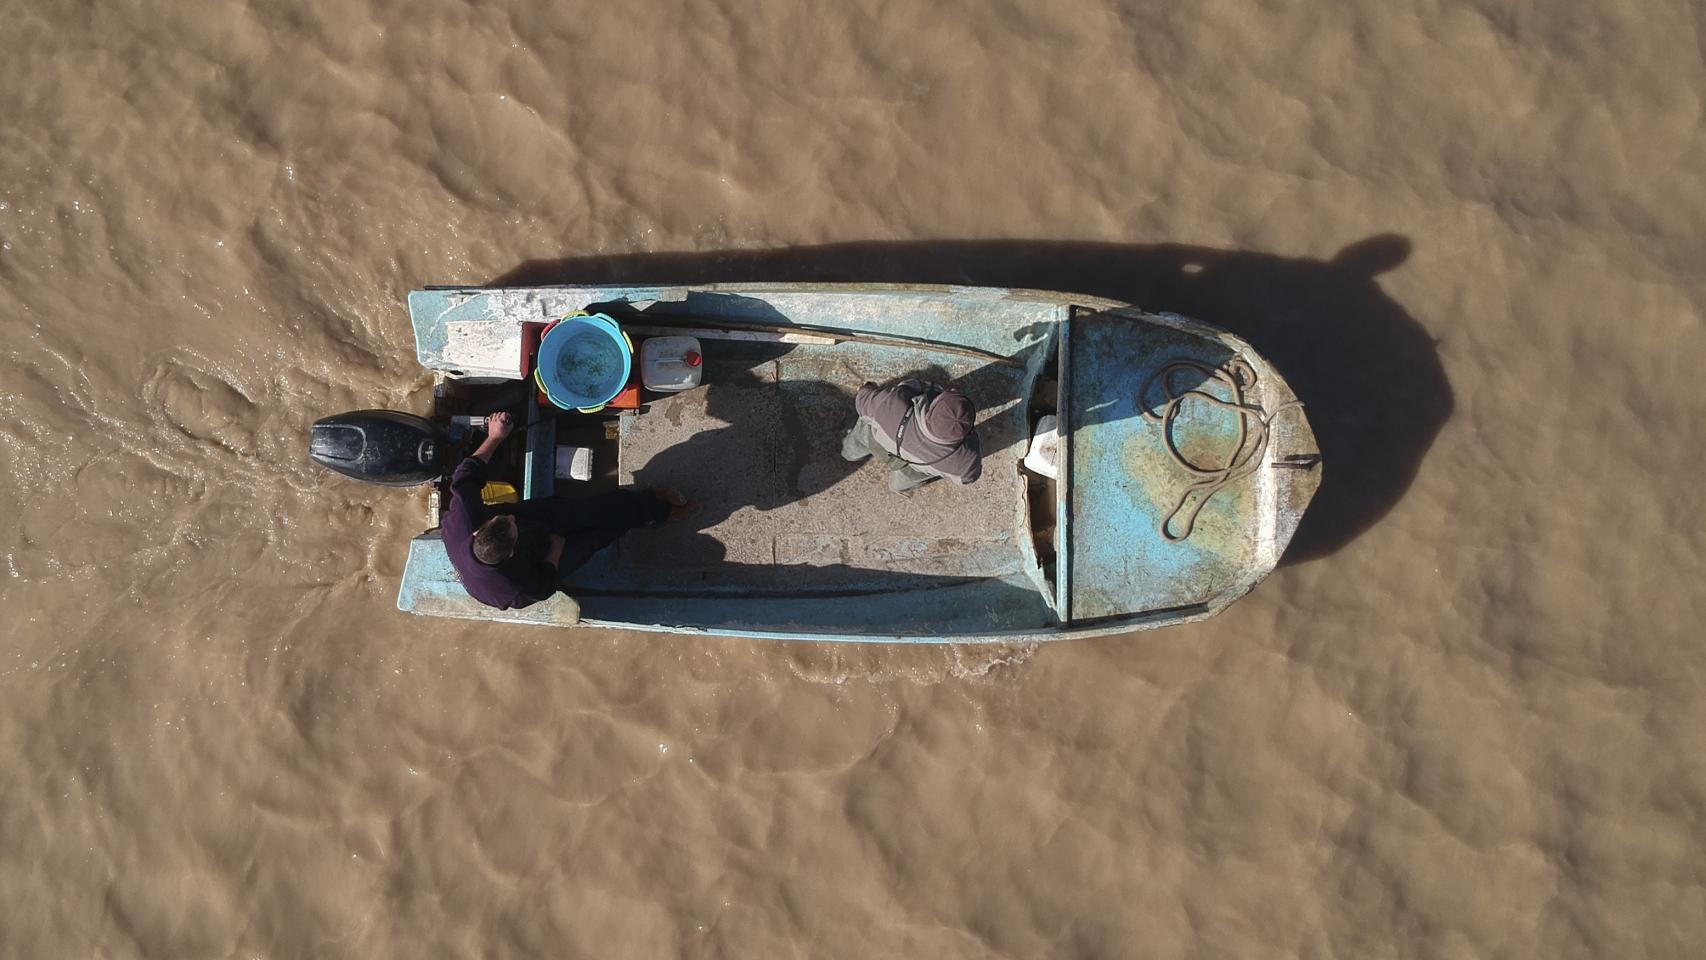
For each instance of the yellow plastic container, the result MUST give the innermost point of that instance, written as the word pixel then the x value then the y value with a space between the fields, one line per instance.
pixel 496 491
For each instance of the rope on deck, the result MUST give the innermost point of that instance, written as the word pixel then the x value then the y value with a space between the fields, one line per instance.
pixel 1253 428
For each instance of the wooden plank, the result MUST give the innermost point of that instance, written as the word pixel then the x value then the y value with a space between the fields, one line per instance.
pixel 683 324
pixel 540 477
pixel 484 348
pixel 716 333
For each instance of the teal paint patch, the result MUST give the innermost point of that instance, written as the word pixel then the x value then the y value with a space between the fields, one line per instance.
pixel 1124 483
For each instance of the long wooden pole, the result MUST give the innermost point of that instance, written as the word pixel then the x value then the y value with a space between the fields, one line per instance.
pixel 710 323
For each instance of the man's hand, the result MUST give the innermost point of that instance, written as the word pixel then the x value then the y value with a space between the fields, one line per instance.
pixel 498 426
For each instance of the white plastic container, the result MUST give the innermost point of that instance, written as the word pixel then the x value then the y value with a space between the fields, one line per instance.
pixel 671 364
pixel 1044 455
pixel 574 463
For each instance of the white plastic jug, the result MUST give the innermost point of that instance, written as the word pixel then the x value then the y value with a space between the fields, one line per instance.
pixel 1044 455
pixel 670 364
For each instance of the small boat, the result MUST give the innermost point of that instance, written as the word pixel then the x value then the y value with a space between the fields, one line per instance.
pixel 1181 462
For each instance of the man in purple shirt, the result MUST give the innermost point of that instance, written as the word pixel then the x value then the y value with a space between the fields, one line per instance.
pixel 511 555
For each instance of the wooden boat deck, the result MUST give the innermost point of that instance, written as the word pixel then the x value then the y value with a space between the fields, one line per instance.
pixel 759 446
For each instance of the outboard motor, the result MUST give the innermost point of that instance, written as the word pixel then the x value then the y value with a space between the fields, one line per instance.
pixel 379 446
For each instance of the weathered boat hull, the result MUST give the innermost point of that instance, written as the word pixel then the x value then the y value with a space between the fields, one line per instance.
pixel 799 544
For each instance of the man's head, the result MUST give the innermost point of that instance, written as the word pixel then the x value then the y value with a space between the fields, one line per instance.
pixel 495 540
pixel 950 416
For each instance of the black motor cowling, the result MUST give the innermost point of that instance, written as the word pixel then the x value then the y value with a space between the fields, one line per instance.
pixel 379 446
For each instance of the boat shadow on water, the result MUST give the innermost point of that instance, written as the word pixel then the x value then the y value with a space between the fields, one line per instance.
pixel 1367 371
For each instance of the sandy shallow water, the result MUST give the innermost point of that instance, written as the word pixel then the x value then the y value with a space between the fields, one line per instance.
pixel 1466 719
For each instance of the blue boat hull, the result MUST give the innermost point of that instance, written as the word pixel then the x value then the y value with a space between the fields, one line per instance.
pixel 795 543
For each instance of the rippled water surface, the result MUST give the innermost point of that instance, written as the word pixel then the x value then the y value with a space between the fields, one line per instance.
pixel 1466 719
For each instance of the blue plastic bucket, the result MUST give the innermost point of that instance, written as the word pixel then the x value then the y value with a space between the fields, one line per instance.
pixel 583 361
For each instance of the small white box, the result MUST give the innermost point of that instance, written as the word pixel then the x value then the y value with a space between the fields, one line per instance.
pixel 574 463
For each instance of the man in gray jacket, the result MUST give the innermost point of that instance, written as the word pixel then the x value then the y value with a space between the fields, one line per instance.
pixel 922 430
